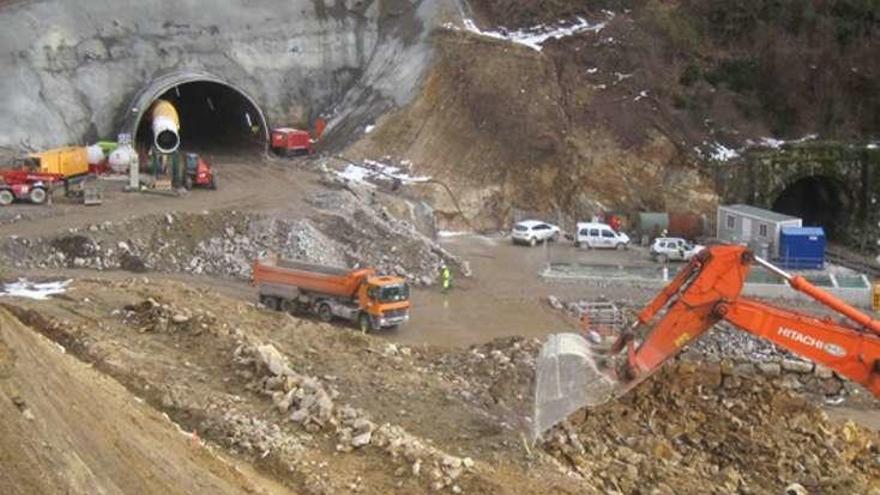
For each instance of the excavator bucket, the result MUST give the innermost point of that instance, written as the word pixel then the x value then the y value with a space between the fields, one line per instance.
pixel 570 375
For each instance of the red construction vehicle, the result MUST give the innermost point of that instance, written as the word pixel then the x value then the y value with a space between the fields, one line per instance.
pixel 287 141
pixel 372 301
pixel 24 185
pixel 198 173
pixel 707 291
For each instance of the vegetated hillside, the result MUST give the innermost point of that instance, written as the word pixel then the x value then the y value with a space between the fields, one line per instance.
pixel 793 66
pixel 622 117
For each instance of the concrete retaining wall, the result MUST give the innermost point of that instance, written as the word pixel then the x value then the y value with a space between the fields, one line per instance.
pixel 856 296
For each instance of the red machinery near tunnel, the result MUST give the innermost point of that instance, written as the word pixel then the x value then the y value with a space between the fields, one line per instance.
pixel 26 185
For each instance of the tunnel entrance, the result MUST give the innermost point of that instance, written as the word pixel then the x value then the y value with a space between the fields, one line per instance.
pixel 214 116
pixel 819 201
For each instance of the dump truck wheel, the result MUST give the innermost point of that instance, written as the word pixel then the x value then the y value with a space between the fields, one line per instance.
pixel 6 197
pixel 37 195
pixel 325 313
pixel 364 323
pixel 270 302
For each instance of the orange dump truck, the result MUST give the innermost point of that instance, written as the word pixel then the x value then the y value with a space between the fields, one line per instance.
pixel 361 296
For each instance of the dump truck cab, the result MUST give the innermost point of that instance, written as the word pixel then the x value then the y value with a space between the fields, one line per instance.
pixel 385 302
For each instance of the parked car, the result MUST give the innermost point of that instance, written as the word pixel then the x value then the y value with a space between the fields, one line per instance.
pixel 600 235
pixel 673 249
pixel 532 232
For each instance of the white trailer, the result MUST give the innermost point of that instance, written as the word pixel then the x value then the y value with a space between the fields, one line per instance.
pixel 756 227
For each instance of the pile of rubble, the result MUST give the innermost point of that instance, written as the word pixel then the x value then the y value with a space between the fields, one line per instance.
pixel 151 315
pixel 375 237
pixel 690 427
pixel 305 400
pixel 347 231
pixel 247 434
pixel 496 377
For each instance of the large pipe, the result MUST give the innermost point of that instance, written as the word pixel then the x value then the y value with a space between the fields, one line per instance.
pixel 166 126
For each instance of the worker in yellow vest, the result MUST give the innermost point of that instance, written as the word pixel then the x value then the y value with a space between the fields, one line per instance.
pixel 445 278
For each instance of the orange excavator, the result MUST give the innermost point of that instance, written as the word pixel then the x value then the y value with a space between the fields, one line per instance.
pixel 571 374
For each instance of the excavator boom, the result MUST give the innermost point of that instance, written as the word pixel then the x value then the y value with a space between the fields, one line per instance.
pixel 706 291
pixel 709 290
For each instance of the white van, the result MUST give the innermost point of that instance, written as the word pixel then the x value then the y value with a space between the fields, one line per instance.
pixel 600 235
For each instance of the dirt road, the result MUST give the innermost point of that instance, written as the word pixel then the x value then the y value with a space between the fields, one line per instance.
pixel 69 429
pixel 506 296
pixel 244 182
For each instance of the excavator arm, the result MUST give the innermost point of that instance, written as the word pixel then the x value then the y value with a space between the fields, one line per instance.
pixel 708 291
pixel 850 352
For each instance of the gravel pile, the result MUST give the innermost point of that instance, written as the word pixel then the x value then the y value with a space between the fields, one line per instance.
pixel 347 230
pixel 691 427
pixel 306 401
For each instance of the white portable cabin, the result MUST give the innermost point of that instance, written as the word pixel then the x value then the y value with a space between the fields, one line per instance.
pixel 745 224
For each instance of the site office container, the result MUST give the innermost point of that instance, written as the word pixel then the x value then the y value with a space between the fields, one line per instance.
pixel 756 227
pixel 802 248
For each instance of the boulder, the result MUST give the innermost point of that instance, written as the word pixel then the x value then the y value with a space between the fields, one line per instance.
pixel 797 366
pixel 273 360
pixel 770 369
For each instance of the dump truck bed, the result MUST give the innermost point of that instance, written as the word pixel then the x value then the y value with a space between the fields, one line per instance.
pixel 308 277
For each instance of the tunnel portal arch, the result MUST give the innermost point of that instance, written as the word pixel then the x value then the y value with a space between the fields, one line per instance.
pixel 820 200
pixel 171 85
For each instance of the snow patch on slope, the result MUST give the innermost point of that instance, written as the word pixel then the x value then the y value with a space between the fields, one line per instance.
pixel 371 171
pixel 30 290
pixel 534 37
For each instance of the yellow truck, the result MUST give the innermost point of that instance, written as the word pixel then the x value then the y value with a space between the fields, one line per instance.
pixel 69 162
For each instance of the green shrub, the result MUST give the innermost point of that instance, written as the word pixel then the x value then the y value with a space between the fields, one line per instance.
pixel 740 75
pixel 691 74
pixel 674 24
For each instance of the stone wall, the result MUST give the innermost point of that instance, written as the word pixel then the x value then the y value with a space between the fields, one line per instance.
pixel 762 175
pixel 71 67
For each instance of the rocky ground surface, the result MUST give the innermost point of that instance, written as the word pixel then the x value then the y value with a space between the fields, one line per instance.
pixel 693 427
pixel 324 409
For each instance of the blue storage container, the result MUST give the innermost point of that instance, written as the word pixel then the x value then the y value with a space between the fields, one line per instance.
pixel 802 248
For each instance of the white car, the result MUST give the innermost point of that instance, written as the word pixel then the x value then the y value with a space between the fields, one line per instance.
pixel 532 232
pixel 600 235
pixel 673 249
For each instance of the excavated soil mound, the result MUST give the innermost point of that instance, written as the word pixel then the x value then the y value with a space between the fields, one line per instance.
pixel 68 429
pixel 695 429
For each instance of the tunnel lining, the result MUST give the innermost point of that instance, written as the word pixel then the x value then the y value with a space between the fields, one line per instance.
pixel 158 86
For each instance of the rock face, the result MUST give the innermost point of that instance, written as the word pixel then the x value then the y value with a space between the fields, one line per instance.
pixel 78 64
